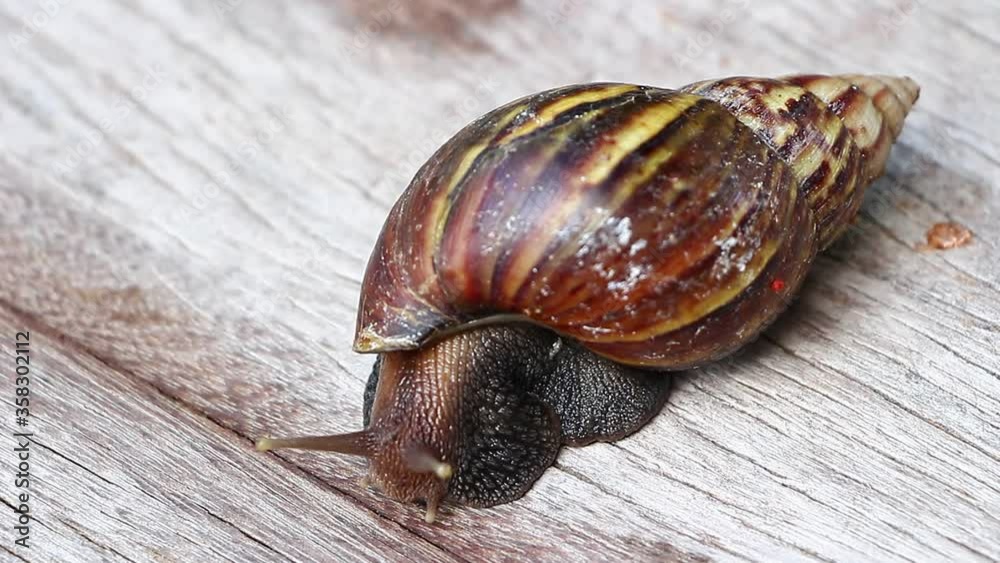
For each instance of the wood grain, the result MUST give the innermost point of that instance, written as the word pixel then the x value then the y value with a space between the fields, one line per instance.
pixel 190 192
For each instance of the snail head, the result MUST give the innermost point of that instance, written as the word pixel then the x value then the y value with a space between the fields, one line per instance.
pixel 477 416
pixel 409 439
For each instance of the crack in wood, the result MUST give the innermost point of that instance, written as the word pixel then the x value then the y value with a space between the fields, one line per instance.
pixel 243 532
pixel 76 463
pixel 17 555
pixel 79 531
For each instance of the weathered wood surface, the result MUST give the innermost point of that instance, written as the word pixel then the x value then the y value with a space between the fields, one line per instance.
pixel 189 192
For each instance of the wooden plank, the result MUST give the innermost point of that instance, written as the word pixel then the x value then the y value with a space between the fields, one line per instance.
pixel 125 472
pixel 191 191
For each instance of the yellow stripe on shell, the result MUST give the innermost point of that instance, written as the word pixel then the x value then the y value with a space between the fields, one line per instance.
pixel 864 120
pixel 810 159
pixel 548 113
pixel 439 205
pixel 718 298
pixel 641 127
pixel 626 187
pixel 776 99
pixel 557 139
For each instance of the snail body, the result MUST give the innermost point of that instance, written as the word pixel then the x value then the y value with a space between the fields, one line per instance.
pixel 553 261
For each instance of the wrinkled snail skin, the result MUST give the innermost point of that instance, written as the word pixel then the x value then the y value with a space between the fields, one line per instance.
pixel 552 260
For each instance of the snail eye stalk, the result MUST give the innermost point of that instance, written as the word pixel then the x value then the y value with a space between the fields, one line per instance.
pixel 419 459
pixel 353 443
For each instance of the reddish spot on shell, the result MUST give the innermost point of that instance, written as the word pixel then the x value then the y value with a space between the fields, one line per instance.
pixel 778 284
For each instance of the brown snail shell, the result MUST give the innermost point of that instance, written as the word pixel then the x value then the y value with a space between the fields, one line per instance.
pixel 645 223
pixel 555 252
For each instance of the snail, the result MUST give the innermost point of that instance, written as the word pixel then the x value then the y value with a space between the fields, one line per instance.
pixel 551 263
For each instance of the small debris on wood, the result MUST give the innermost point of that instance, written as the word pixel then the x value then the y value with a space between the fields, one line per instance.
pixel 944 236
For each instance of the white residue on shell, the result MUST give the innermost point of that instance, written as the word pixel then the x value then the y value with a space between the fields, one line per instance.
pixel 603 271
pixel 508 231
pixel 613 235
pixel 512 224
pixel 622 288
pixel 623 231
pixel 725 262
pixel 637 246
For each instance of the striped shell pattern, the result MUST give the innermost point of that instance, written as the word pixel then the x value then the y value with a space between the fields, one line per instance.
pixel 662 228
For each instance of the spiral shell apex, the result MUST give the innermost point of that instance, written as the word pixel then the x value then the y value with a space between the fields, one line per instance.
pixel 648 224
